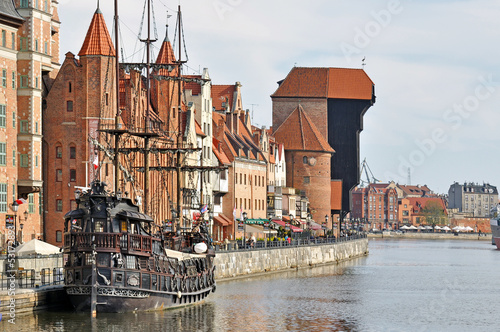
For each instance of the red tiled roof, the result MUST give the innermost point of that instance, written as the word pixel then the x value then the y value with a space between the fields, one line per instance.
pixel 193 86
pixel 219 153
pixel 97 41
pixel 221 93
pixel 419 203
pixel 298 132
pixel 198 129
pixel 166 54
pixel 341 83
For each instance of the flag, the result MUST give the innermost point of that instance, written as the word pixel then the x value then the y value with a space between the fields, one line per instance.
pixel 204 209
pixel 96 161
pixel 21 201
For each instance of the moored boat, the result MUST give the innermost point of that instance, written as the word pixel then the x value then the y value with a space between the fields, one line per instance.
pixel 136 265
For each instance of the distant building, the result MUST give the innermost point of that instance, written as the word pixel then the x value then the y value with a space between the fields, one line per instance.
pixel 475 199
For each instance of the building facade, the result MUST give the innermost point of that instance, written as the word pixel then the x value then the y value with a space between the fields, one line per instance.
pixel 476 200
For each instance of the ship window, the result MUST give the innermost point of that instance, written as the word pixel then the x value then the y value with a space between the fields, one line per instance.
pixel 145 280
pixel 99 226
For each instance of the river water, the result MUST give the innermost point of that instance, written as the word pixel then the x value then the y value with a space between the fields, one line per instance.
pixel 402 285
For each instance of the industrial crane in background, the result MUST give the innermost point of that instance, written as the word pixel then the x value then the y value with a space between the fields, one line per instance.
pixel 367 171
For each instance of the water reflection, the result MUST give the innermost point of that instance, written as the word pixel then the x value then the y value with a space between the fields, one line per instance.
pixel 406 285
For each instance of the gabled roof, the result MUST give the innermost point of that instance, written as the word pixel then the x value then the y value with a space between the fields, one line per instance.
pixel 97 41
pixel 419 203
pixel 9 14
pixel 222 94
pixel 339 83
pixel 198 129
pixel 219 153
pixel 298 132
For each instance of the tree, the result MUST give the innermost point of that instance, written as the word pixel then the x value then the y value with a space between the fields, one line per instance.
pixel 433 213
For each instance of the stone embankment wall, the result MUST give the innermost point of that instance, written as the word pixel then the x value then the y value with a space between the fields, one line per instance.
pixel 23 301
pixel 239 263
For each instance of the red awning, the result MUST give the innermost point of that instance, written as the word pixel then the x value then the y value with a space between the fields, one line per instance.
pixel 222 220
pixel 292 227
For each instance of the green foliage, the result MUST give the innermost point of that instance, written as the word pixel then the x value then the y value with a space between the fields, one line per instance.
pixel 433 213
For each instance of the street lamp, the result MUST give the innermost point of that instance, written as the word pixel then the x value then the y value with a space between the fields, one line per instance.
pixel 244 227
pixel 326 224
pixel 14 208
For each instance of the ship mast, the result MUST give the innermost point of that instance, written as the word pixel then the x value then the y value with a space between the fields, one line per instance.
pixel 117 116
pixel 179 120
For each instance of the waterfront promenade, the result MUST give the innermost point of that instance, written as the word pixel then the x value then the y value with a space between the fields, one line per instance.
pixel 432 236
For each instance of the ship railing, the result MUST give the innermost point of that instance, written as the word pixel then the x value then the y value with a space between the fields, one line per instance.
pixel 130 243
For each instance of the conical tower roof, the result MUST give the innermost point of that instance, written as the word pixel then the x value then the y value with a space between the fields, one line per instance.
pixel 298 132
pixel 166 55
pixel 98 40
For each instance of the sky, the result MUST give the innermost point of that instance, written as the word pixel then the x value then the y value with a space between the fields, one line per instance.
pixel 434 65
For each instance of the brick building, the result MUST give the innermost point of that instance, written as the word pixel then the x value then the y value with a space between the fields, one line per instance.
pixel 234 142
pixel 335 99
pixel 308 157
pixel 29 59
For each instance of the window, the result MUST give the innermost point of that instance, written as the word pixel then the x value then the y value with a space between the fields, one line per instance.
pixel 13 80
pixel 46 48
pixel 36 45
pixel 24 81
pixel 72 152
pixel 45 6
pixel 13 40
pixel 72 175
pixel 13 119
pixel 58 175
pixel 304 160
pixel 36 127
pixel 69 106
pixel 3 154
pixel 24 43
pixel 4 38
pixel 245 179
pixel 3 116
pixel 36 82
pixel 24 160
pixel 58 236
pixel 31 203
pixel 69 86
pixel 59 205
pixel 13 157
pixel 58 152
pixel 24 126
pixel 4 78
pixel 241 178
pixel 3 197
pixel 36 161
pixel 307 179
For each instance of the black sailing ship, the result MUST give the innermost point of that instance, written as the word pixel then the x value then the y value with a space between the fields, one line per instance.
pixel 119 259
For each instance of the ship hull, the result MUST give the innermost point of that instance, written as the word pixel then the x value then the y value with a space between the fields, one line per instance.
pixel 120 300
pixel 495 233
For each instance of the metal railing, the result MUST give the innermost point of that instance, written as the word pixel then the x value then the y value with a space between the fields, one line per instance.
pixel 13 279
pixel 300 242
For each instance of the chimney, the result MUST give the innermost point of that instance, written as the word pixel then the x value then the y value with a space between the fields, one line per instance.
pixel 219 129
